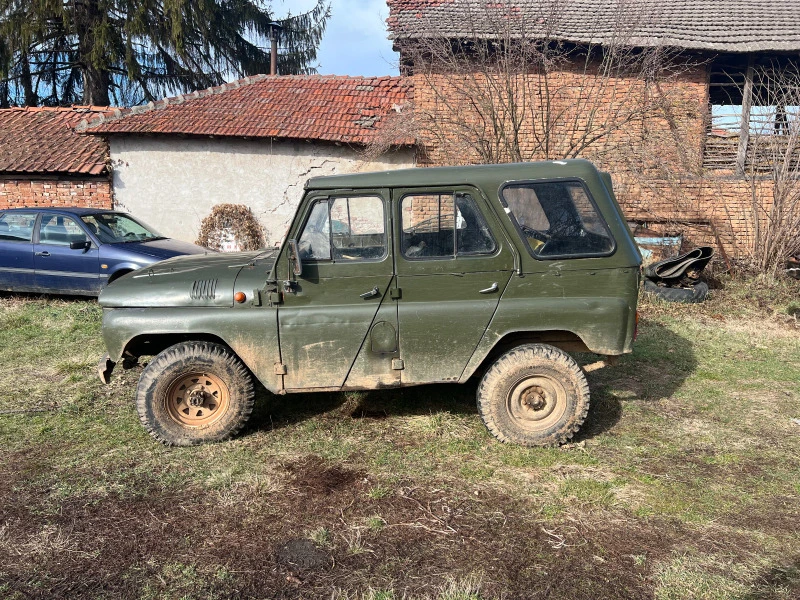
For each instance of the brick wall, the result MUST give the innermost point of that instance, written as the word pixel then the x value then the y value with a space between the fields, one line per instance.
pixel 655 159
pixel 19 192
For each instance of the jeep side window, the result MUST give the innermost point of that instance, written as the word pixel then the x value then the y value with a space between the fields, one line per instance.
pixel 557 219
pixel 315 243
pixel 473 237
pixel 444 226
pixel 345 229
pixel 358 228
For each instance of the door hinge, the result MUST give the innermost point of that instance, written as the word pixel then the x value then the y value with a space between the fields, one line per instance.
pixel 274 297
pixel 396 294
pixel 280 369
pixel 398 364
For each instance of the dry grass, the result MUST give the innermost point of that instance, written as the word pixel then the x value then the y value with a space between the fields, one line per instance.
pixel 684 482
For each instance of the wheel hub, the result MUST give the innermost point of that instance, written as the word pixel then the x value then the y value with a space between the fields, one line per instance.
pixel 536 402
pixel 197 399
pixel 534 398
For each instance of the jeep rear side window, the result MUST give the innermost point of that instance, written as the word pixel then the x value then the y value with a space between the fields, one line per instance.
pixel 345 229
pixel 444 226
pixel 558 219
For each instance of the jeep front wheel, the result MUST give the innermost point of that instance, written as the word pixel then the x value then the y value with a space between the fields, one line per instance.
pixel 534 395
pixel 194 392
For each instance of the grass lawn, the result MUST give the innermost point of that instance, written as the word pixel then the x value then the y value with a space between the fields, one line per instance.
pixel 683 483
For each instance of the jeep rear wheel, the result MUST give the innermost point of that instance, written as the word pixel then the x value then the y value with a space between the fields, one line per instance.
pixel 194 392
pixel 534 395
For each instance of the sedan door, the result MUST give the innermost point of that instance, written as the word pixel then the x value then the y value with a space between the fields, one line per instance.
pixel 16 251
pixel 60 268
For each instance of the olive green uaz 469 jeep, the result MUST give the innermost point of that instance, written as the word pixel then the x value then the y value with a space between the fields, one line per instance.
pixel 387 280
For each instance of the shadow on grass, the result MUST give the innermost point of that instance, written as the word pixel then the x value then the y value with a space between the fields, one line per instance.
pixel 275 412
pixel 661 362
pixel 31 296
pixel 784 577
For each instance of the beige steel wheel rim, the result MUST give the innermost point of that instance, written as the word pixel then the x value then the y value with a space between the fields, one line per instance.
pixel 197 399
pixel 536 403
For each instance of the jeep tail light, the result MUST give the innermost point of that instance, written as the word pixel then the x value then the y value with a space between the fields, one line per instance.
pixel 636 326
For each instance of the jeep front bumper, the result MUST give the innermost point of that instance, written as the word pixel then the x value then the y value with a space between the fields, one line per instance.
pixel 104 368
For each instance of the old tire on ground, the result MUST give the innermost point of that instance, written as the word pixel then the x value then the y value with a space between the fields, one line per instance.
pixel 534 395
pixel 689 295
pixel 194 392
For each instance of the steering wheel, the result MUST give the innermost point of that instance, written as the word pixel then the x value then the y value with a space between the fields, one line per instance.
pixel 131 234
pixel 535 233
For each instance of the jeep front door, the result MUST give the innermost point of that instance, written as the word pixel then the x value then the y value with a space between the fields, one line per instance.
pixel 330 308
pixel 453 263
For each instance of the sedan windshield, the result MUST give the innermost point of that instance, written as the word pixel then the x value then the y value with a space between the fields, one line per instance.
pixel 116 228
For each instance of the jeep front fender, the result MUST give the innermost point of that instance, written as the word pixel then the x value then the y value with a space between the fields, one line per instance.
pixel 250 332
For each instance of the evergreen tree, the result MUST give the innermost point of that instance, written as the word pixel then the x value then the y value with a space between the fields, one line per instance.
pixel 125 52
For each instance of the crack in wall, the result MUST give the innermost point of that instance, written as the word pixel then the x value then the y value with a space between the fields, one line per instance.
pixel 301 181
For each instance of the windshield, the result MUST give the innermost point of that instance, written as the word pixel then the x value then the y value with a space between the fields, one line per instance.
pixel 115 228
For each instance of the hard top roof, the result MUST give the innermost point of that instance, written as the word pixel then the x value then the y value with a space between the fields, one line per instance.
pixel 77 211
pixel 492 175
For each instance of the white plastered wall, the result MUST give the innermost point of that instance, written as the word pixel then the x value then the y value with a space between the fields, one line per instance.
pixel 172 183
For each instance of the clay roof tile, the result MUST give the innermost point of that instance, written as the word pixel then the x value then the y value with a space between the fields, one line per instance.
pixel 43 140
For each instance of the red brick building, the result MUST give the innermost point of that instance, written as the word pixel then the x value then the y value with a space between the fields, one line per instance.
pixel 44 162
pixel 677 99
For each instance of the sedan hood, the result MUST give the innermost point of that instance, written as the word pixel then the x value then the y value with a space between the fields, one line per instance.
pixel 161 249
pixel 184 281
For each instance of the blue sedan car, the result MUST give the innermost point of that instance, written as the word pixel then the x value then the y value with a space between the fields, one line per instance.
pixel 76 250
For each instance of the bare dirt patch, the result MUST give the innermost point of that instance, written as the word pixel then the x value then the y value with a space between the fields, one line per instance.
pixel 185 542
pixel 312 475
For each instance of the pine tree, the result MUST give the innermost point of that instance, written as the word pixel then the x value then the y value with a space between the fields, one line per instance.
pixel 125 52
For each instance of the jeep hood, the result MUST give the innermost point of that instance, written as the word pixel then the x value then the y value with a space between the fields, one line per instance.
pixel 185 281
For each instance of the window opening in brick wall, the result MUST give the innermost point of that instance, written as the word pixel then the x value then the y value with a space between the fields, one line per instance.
pixel 754 114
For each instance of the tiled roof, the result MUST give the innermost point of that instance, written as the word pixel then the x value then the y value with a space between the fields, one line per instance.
pixel 714 25
pixel 43 140
pixel 329 108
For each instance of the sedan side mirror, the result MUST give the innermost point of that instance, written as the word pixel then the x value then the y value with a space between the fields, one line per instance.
pixel 80 245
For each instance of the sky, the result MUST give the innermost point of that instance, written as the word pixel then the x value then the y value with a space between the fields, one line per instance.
pixel 355 40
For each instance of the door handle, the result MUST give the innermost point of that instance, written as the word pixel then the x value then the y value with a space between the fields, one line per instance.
pixel 371 294
pixel 490 289
pixel 45 253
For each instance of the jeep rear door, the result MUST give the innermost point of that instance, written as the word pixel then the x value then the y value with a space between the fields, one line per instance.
pixel 330 308
pixel 453 263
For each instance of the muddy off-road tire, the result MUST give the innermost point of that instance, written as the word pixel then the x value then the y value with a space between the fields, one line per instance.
pixel 692 294
pixel 194 392
pixel 534 395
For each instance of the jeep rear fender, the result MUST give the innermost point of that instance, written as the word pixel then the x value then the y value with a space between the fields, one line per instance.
pixel 600 325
